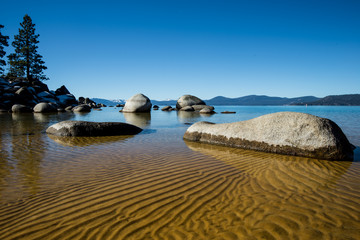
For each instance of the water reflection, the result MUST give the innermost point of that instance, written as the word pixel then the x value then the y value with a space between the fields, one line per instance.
pixel 141 120
pixel 86 141
pixel 192 117
pixel 27 150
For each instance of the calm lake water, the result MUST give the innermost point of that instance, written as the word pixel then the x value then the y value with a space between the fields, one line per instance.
pixel 157 186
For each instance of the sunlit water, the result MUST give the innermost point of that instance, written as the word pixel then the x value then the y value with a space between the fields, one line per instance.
pixel 157 186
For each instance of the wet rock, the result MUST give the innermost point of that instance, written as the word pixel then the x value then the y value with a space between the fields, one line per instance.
pixel 188 100
pixel 83 128
pixel 288 133
pixel 228 112
pixel 138 103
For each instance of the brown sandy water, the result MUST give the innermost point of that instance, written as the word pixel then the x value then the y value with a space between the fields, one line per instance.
pixel 156 186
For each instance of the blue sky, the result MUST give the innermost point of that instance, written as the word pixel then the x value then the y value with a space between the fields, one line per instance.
pixel 164 49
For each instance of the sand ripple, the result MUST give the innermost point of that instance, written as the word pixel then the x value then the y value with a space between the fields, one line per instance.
pixel 115 190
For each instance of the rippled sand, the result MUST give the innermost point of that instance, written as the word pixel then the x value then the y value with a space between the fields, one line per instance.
pixel 156 186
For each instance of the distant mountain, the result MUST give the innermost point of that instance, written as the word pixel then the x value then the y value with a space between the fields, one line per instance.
pixel 108 102
pixel 253 100
pixel 165 102
pixel 339 100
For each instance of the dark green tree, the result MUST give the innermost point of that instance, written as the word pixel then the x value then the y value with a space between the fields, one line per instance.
pixel 26 61
pixel 3 43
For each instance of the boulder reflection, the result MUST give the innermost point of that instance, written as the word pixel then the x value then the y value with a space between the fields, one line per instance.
pixel 87 141
pixel 141 120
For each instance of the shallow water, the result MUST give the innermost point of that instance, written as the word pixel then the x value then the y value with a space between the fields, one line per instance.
pixel 156 186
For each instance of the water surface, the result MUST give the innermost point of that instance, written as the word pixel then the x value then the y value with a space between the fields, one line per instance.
pixel 156 186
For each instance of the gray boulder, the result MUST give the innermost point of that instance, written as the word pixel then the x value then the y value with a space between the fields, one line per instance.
pixel 288 133
pixel 19 108
pixel 82 108
pixel 44 108
pixel 83 128
pixel 138 103
pixel 188 100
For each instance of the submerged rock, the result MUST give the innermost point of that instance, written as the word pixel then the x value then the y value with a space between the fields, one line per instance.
pixel 138 103
pixel 288 133
pixel 84 128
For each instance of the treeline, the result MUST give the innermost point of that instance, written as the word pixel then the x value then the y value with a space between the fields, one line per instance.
pixel 25 62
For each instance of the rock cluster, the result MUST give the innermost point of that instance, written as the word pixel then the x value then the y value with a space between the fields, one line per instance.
pixel 288 133
pixel 19 92
pixel 191 103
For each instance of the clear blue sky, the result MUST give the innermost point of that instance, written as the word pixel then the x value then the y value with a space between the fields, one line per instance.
pixel 164 49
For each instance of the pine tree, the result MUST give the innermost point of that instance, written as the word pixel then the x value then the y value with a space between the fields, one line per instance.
pixel 26 61
pixel 3 42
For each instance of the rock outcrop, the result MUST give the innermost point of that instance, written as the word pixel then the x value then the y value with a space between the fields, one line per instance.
pixel 84 128
pixel 188 100
pixel 288 133
pixel 138 103
pixel 20 91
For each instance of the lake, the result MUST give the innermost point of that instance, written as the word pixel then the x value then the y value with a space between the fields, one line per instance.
pixel 154 185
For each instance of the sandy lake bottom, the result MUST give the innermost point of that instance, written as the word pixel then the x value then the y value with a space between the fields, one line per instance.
pixel 155 185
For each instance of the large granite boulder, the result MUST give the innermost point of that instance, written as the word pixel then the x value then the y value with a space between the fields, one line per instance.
pixel 84 128
pixel 138 103
pixel 44 108
pixel 288 133
pixel 188 100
